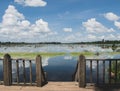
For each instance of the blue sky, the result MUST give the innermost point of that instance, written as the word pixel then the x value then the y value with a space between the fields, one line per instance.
pixel 59 20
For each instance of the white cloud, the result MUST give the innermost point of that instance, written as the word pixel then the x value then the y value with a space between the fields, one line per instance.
pixel 94 26
pixel 15 27
pixel 90 36
pixel 102 37
pixel 111 37
pixel 25 23
pixel 67 29
pixel 117 24
pixel 12 16
pixel 108 37
pixel 40 26
pixel 118 37
pixel 32 3
pixel 70 38
pixel 111 16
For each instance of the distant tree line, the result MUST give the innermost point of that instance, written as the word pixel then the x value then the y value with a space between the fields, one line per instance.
pixel 101 42
pixel 93 42
pixel 14 43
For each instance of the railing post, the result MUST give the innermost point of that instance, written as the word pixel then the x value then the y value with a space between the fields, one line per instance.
pixel 82 71
pixel 7 70
pixel 38 71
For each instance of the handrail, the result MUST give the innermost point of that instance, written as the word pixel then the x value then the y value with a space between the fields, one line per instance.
pixel 101 59
pixel 103 66
pixel 7 71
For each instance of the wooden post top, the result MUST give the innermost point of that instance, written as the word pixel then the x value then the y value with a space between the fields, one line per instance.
pixel 82 56
pixel 38 55
pixel 7 56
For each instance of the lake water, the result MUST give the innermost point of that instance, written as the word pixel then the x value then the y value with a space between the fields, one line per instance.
pixel 58 68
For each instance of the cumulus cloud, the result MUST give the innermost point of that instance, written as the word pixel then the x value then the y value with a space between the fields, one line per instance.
pixel 67 29
pixel 32 3
pixel 12 16
pixel 40 26
pixel 111 16
pixel 16 27
pixel 94 26
pixel 117 24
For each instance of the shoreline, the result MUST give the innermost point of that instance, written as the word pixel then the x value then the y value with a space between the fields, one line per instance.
pixel 32 55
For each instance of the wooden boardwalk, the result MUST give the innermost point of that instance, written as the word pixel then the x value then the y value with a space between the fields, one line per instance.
pixel 55 86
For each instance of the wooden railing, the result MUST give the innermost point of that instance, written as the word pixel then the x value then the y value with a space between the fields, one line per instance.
pixel 106 71
pixel 7 72
pixel 98 70
pixel 1 80
pixel 23 61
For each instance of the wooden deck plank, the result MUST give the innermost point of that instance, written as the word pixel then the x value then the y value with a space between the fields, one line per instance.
pixel 55 86
pixel 51 86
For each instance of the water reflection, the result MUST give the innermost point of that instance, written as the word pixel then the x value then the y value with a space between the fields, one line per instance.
pixel 60 69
